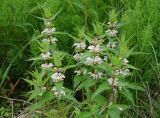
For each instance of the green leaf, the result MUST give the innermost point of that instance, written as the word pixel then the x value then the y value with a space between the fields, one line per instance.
pixel 34 94
pixel 31 82
pixel 35 59
pixel 56 14
pixel 57 59
pixel 105 67
pixel 79 4
pixel 78 80
pixel 68 67
pixel 134 86
pixel 70 97
pixel 4 76
pixel 123 47
pixel 115 60
pixel 98 28
pixel 113 16
pixel 88 38
pixel 114 113
pixel 87 83
pixel 104 86
pixel 47 12
pixel 120 107
pixel 47 97
pixel 131 67
pixel 127 94
pixel 85 115
pixel 100 100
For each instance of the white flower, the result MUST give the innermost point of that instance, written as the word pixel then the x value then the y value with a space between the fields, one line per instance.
pixel 53 39
pixel 120 108
pixel 100 74
pixel 112 33
pixel 96 75
pixel 58 93
pixel 46 55
pixel 121 72
pixel 46 66
pixel 54 88
pixel 118 72
pixel 57 77
pixel 97 60
pixel 113 82
pixel 52 30
pixel 93 48
pixel 63 93
pixel 125 61
pixel 111 45
pixel 82 72
pixel 126 72
pixel 112 25
pixel 80 46
pixel 46 40
pixel 48 23
pixel 78 72
pixel 43 89
pixel 48 31
pixel 94 60
pixel 105 58
pixel 77 56
pixel 90 61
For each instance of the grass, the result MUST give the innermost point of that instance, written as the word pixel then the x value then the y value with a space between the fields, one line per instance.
pixel 141 25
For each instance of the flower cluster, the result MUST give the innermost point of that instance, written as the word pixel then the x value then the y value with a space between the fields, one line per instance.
pixel 94 49
pixel 47 66
pixel 47 32
pixel 93 60
pixel 112 29
pixel 46 56
pixel 96 75
pixel 125 61
pixel 81 72
pixel 48 39
pixel 111 44
pixel 113 81
pixel 78 56
pixel 79 48
pixel 57 76
pixel 122 71
pixel 112 33
pixel 58 93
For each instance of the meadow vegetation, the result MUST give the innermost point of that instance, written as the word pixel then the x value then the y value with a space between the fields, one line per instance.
pixel 79 59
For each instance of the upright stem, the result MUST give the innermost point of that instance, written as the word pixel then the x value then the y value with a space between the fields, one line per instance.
pixel 85 14
pixel 59 104
pixel 112 93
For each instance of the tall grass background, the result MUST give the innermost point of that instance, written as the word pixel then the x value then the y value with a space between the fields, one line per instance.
pixel 140 21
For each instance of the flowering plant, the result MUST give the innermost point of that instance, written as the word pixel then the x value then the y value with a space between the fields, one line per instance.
pixel 101 73
pixel 49 77
pixel 104 70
